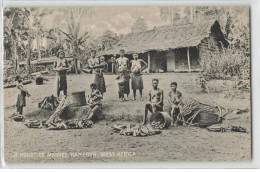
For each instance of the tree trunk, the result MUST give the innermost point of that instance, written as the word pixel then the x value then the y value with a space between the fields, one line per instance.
pixel 28 58
pixel 149 62
pixel 14 55
pixel 38 47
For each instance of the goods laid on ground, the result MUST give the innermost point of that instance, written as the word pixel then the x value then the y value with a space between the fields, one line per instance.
pixel 135 130
pixel 60 125
pixel 12 85
pixel 33 123
pixel 18 118
pixel 79 124
pixel 225 128
pixel 204 114
pixel 59 110
pixel 25 82
pixel 57 126
pixel 49 103
pixel 160 120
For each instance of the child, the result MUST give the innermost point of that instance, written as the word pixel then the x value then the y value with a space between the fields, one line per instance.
pixel 21 101
pixel 94 100
pixel 121 85
pixel 175 100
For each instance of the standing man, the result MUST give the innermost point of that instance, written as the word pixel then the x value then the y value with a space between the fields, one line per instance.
pixel 137 80
pixel 155 100
pixel 113 64
pixel 123 66
pixel 61 67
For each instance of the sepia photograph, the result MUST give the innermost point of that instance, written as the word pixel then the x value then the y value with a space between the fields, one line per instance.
pixel 127 84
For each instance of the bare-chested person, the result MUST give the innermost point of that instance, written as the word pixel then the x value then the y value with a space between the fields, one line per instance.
pixel 136 77
pixel 155 100
pixel 175 100
pixel 123 67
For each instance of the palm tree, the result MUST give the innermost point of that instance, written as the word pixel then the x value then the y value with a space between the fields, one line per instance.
pixel 71 19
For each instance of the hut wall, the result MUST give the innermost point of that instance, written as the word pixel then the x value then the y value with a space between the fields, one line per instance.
pixel 194 58
pixel 177 59
pixel 181 61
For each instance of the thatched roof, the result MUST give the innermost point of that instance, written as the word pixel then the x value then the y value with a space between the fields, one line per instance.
pixel 165 38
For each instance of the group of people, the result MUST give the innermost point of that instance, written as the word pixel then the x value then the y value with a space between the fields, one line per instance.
pixel 126 70
pixel 156 97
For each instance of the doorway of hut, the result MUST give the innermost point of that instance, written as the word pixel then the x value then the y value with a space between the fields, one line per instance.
pixel 183 59
pixel 158 61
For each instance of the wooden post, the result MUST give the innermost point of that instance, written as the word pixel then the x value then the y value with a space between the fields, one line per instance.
pixel 149 62
pixel 188 56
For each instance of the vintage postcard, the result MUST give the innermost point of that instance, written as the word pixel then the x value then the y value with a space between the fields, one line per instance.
pixel 127 84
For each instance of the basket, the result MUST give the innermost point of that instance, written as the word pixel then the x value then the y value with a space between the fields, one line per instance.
pixel 78 98
pixel 163 117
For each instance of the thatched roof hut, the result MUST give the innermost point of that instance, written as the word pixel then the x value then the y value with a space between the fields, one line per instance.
pixel 168 38
pixel 172 48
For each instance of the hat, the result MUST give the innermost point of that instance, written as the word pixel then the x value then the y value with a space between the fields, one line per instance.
pixel 122 51
pixel 102 57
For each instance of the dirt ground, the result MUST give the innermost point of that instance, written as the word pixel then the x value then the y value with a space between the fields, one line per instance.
pixel 101 144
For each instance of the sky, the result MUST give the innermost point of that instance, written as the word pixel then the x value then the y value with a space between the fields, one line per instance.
pixel 116 19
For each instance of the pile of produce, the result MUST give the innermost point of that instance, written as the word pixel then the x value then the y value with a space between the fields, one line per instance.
pixel 157 124
pixel 60 125
pixel 49 103
pixel 225 128
pixel 135 130
pixel 59 110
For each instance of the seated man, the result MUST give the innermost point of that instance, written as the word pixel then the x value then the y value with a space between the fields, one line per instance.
pixel 95 101
pixel 155 100
pixel 175 100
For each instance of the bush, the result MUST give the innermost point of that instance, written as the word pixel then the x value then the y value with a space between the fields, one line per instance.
pixel 223 63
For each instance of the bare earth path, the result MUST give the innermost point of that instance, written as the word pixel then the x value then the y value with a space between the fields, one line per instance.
pixel 100 144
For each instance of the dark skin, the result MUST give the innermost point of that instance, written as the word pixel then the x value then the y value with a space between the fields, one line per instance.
pixel 61 56
pixel 135 56
pixel 93 105
pixel 155 88
pixel 175 103
pixel 155 99
pixel 121 54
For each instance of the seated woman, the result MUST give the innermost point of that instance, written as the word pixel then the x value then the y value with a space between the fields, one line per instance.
pixel 95 101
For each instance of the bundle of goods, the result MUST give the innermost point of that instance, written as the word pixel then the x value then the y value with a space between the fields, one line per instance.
pixel 78 124
pixel 59 110
pixel 10 85
pixel 160 120
pixel 33 123
pixel 224 128
pixel 39 80
pixel 18 118
pixel 49 103
pixel 25 82
pixel 135 130
pixel 60 125
pixel 195 111
pixel 57 126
